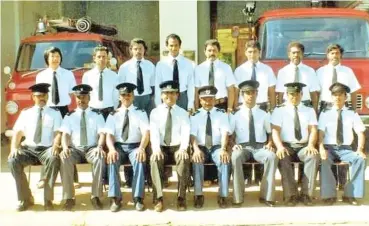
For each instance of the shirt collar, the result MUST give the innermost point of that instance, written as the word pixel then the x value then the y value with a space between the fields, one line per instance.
pixel 331 66
pixel 98 71
pixel 79 110
pixel 178 58
pixel 123 108
pixel 249 63
pixel 216 61
pixel 166 106
pixel 134 59
pixel 299 65
pixel 289 105
pixel 335 108
pixel 243 106
pixel 205 111
pixel 58 69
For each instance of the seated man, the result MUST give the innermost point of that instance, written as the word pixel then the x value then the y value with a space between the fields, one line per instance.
pixel 209 139
pixel 127 135
pixel 39 125
pixel 83 140
pixel 251 127
pixel 335 140
pixel 294 131
pixel 169 136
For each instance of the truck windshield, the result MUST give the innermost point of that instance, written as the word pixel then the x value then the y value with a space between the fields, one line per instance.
pixel 75 54
pixel 315 34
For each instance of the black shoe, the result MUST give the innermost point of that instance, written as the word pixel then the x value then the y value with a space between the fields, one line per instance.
pixel 139 205
pixel 198 201
pixel 48 205
pixel 24 205
pixel 96 203
pixel 222 202
pixel 237 205
pixel 291 201
pixel 267 203
pixel 181 204
pixel 350 200
pixel 69 204
pixel 115 205
pixel 306 200
pixel 329 201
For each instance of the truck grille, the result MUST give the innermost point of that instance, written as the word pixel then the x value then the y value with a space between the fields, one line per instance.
pixel 359 102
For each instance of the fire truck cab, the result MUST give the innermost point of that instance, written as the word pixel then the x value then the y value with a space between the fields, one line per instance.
pixel 316 28
pixel 77 49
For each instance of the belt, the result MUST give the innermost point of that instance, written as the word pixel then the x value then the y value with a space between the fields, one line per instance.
pixel 256 145
pixel 103 110
pixel 170 148
pixel 307 103
pixel 335 146
pixel 221 100
pixel 214 147
pixel 128 145
pixel 295 145
pixel 263 106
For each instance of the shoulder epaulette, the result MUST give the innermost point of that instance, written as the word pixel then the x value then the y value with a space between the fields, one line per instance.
pixel 280 105
pixel 71 112
pixel 195 113
pixel 235 111
pixel 24 109
pixel 139 109
pixel 96 111
pixel 221 110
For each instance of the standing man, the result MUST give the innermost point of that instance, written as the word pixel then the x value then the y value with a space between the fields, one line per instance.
pixel 61 81
pixel 335 140
pixel 140 72
pixel 294 131
pixel 169 136
pixel 335 72
pixel 296 71
pixel 255 70
pixel 176 68
pixel 214 72
pixel 39 125
pixel 329 74
pixel 83 141
pixel 104 98
pixel 127 136
pixel 251 127
pixel 209 139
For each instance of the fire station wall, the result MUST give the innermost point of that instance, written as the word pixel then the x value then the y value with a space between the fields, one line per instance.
pixel 132 19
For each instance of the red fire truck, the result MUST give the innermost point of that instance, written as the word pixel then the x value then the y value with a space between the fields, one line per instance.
pixel 316 28
pixel 76 47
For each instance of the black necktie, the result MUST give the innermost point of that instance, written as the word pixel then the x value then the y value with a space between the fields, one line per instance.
pixel 140 85
pixel 297 125
pixel 125 128
pixel 334 77
pixel 83 134
pixel 339 132
pixel 211 74
pixel 168 128
pixel 252 139
pixel 101 86
pixel 38 132
pixel 253 75
pixel 54 87
pixel 175 71
pixel 208 133
pixel 297 71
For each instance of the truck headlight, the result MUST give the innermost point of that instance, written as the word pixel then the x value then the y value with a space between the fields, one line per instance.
pixel 367 102
pixel 11 107
pixel 11 85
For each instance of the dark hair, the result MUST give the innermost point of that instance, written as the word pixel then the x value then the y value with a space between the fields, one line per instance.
pixel 334 47
pixel 212 42
pixel 296 44
pixel 100 48
pixel 136 41
pixel 173 36
pixel 253 44
pixel 52 49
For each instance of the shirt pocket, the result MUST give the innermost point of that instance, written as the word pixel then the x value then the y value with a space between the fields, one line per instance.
pixel 47 122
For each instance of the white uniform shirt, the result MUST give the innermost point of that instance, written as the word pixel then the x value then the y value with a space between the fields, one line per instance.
pixel 164 72
pixel 283 117
pixel 72 125
pixel 264 75
pixel 180 127
pixel 138 124
pixel 307 76
pixel 239 122
pixel 328 124
pixel 345 75
pixel 110 93
pixel 128 73
pixel 66 81
pixel 27 123
pixel 223 77
pixel 219 125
